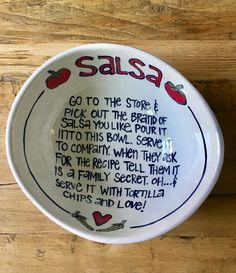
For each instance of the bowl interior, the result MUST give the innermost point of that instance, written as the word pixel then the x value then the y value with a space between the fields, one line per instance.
pixel 113 144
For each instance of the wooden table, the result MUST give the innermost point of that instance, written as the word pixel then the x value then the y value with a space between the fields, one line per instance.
pixel 196 37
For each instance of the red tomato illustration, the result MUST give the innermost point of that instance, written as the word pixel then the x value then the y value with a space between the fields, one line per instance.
pixel 174 91
pixel 57 77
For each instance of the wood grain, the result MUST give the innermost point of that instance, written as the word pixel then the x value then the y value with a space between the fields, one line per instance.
pixel 72 254
pixel 117 20
pixel 196 37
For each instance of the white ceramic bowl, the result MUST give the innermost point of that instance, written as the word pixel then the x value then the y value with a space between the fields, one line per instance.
pixel 113 144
